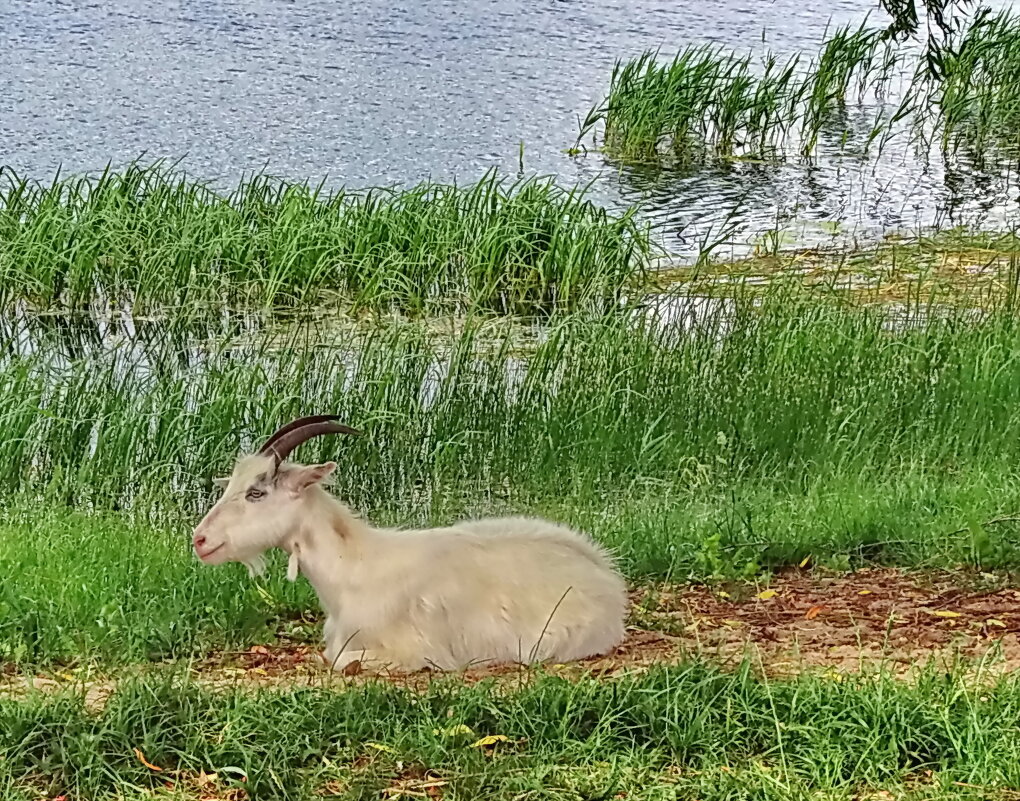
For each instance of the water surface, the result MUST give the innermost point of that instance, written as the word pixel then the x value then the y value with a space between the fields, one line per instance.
pixel 372 93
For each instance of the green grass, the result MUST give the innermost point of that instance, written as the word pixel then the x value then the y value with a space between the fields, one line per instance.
pixel 155 238
pixel 688 732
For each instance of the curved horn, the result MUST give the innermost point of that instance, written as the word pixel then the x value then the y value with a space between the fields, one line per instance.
pixel 301 421
pixel 282 445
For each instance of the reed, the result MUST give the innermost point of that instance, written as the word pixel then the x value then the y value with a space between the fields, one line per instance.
pixel 707 102
pixel 151 237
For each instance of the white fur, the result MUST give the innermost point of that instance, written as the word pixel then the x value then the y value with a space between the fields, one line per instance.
pixel 487 591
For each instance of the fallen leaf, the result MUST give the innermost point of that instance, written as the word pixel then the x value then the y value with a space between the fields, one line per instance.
pixel 994 621
pixel 490 740
pixel 864 592
pixel 723 594
pixel 945 613
pixel 766 594
pixel 352 668
pixel 259 649
pixel 804 561
pixel 813 612
pixel 141 758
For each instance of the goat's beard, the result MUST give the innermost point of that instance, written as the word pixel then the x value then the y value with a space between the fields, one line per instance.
pixel 256 565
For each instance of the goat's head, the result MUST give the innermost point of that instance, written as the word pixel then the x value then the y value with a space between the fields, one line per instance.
pixel 263 498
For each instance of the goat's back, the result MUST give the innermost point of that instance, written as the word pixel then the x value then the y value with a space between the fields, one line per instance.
pixel 505 590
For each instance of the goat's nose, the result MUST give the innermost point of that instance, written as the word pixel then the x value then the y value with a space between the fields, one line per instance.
pixel 199 540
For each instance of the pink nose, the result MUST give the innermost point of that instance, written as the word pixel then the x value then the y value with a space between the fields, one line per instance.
pixel 199 540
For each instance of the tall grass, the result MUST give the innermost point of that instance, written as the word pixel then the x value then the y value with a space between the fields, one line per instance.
pixel 754 392
pixel 688 732
pixel 152 236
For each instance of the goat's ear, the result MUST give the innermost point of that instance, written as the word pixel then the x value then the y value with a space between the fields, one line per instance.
pixel 298 479
pixel 221 482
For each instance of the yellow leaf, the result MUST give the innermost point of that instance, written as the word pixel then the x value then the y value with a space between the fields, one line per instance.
pixel 723 594
pixel 67 676
pixel 766 594
pixel 804 561
pixel 994 621
pixel 945 613
pixel 141 758
pixel 490 739
pixel 864 592
pixel 453 731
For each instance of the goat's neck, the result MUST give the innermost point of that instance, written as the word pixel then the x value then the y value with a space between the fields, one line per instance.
pixel 329 536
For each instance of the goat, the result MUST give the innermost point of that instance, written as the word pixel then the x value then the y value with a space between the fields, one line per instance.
pixel 479 592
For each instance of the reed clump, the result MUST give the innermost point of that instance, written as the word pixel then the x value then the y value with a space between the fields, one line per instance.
pixel 706 102
pixel 153 237
pixel 976 89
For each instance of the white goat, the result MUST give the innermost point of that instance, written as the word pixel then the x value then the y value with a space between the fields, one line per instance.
pixel 487 591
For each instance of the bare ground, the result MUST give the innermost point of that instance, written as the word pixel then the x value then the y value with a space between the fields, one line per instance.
pixel 803 621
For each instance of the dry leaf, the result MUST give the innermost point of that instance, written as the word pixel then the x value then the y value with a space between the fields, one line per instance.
pixel 723 594
pixel 994 621
pixel 352 668
pixel 945 613
pixel 813 612
pixel 864 592
pixel 766 594
pixel 141 758
pixel 804 561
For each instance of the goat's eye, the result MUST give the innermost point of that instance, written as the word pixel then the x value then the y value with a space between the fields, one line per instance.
pixel 254 494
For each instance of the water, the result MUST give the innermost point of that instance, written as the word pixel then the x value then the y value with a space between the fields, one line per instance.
pixel 369 93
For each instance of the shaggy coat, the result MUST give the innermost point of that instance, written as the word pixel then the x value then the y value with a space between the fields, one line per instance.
pixel 495 590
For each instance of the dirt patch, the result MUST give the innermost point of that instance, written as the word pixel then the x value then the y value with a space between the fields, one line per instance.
pixel 845 622
pixel 803 621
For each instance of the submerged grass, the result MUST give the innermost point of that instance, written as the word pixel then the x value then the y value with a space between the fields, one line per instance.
pixel 707 101
pixel 978 91
pixel 154 237
pixel 689 732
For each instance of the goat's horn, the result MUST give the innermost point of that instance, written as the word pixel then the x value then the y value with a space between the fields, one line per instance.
pixel 289 437
pixel 301 421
